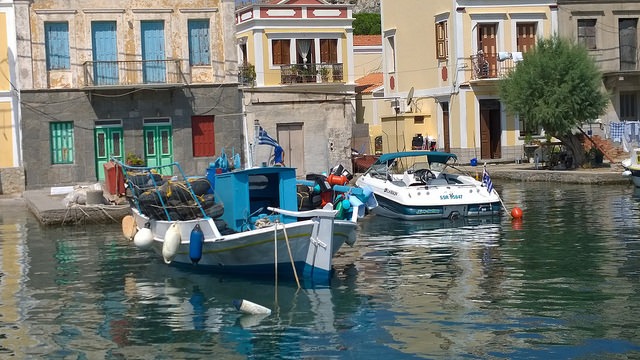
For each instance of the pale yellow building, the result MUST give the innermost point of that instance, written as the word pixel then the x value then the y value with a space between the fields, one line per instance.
pixel 11 171
pixel 442 63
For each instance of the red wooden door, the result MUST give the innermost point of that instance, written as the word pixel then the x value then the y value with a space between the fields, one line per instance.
pixel 490 129
pixel 445 126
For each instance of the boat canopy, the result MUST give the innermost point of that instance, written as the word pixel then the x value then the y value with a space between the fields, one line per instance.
pixel 432 156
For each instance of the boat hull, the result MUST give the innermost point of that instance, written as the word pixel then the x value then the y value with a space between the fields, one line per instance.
pixel 635 178
pixel 632 167
pixel 253 252
pixel 392 209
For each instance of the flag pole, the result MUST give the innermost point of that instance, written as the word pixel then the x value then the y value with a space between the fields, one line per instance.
pixel 485 176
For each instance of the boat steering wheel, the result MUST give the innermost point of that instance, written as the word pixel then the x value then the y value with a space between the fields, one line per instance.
pixel 424 175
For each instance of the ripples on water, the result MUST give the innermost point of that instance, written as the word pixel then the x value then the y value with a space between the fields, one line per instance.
pixel 563 283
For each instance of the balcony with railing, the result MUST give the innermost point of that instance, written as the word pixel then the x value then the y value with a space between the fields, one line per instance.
pixel 493 66
pixel 311 73
pixel 133 73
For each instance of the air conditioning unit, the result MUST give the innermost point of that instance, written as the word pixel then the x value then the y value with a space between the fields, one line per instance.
pixel 404 107
pixel 400 105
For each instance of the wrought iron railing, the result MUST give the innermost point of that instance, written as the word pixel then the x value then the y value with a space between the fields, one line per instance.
pixel 132 72
pixel 311 73
pixel 492 66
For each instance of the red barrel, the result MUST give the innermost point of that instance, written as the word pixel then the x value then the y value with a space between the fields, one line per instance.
pixel 114 178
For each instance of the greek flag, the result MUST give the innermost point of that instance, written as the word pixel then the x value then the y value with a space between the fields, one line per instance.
pixel 265 139
pixel 486 180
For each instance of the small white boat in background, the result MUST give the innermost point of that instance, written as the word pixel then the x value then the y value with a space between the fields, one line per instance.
pixel 421 185
pixel 632 167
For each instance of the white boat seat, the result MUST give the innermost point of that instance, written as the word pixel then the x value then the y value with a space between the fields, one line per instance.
pixel 409 179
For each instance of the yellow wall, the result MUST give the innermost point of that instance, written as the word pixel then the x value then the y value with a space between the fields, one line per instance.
pixel 5 84
pixel 406 130
pixel 416 62
pixel 6 135
pixel 365 64
pixel 6 121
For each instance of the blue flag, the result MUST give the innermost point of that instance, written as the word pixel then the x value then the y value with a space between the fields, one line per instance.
pixel 265 139
pixel 486 180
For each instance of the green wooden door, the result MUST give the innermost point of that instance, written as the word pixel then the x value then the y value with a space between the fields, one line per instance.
pixel 109 143
pixel 158 147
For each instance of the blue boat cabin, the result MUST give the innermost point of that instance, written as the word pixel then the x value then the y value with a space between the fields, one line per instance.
pixel 246 194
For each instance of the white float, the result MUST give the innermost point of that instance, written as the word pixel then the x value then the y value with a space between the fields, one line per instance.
pixel 171 243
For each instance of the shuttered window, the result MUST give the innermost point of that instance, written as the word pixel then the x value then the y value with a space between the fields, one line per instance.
pixel 203 136
pixel 526 36
pixel 628 40
pixel 629 106
pixel 280 50
pixel 442 41
pixel 329 51
pixel 56 38
pixel 199 42
pixel 62 151
pixel 587 33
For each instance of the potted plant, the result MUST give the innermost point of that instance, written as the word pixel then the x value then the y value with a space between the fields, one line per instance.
pixel 324 73
pixel 247 73
pixel 308 73
pixel 134 160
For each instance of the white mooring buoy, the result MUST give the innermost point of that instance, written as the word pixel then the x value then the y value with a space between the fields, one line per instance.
pixel 249 307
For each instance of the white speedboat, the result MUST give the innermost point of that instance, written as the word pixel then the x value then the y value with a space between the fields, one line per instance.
pixel 419 185
pixel 632 167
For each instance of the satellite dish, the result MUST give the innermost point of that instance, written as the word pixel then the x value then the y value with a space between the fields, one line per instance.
pixel 410 96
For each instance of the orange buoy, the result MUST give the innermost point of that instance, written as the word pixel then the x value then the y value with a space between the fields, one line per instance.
pixel 516 213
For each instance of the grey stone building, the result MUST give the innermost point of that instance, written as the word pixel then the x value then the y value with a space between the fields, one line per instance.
pixel 609 30
pixel 155 80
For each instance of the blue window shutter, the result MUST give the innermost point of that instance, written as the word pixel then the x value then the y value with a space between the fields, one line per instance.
pixel 153 67
pixel 57 45
pixel 105 52
pixel 199 42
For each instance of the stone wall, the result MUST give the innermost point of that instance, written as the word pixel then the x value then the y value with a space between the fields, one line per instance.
pixel 12 181
pixel 326 118
pixel 39 108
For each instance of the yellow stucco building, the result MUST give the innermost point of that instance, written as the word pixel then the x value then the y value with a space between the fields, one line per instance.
pixel 442 64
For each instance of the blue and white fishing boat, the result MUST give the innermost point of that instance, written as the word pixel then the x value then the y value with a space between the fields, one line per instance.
pixel 421 185
pixel 240 221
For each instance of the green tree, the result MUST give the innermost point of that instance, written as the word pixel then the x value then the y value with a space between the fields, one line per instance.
pixel 367 24
pixel 557 86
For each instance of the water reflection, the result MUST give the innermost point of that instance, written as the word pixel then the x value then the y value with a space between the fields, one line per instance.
pixel 563 283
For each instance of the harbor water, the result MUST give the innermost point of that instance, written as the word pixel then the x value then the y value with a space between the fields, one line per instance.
pixel 562 283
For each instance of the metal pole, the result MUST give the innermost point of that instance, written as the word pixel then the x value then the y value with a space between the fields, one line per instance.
pixel 396 107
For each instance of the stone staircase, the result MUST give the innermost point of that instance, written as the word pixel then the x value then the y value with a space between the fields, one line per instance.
pixel 611 150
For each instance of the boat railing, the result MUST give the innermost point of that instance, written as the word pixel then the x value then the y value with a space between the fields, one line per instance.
pixel 153 175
